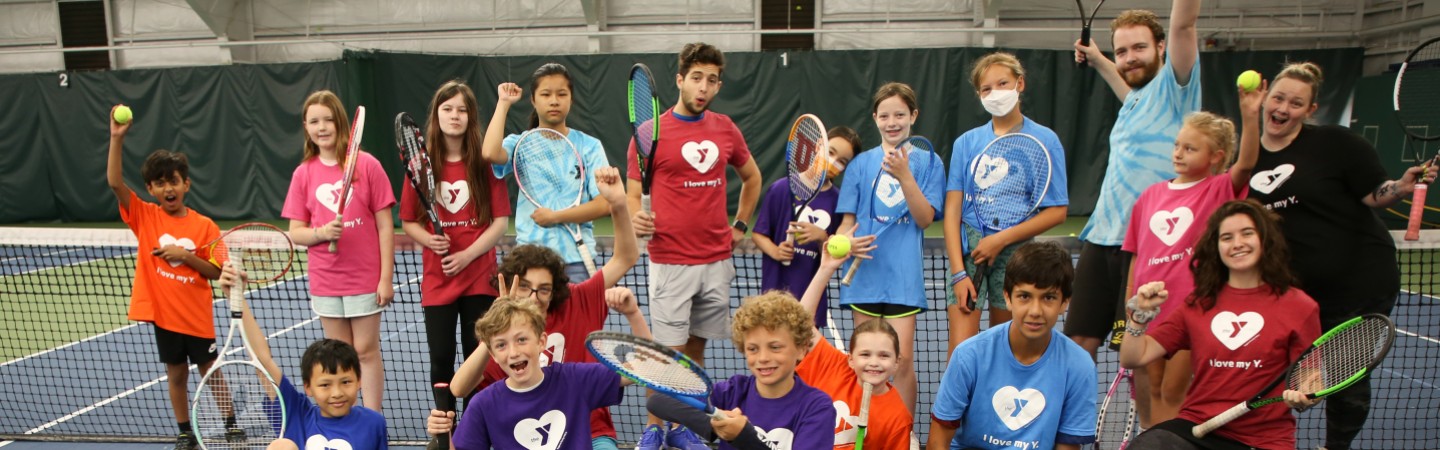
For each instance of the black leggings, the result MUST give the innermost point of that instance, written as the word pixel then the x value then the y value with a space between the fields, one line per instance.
pixel 440 333
pixel 1347 410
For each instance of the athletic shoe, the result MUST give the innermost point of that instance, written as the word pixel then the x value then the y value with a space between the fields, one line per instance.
pixel 186 441
pixel 234 434
pixel 652 439
pixel 681 438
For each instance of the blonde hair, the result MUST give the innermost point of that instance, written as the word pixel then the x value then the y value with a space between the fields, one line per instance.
pixel 507 312
pixel 1220 130
pixel 1140 17
pixel 1304 72
pixel 777 311
pixel 342 124
pixel 1001 58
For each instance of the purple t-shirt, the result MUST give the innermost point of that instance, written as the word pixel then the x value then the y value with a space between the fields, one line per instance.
pixel 776 213
pixel 802 419
pixel 554 414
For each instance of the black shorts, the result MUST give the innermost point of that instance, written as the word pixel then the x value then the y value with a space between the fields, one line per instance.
pixel 1098 303
pixel 175 348
pixel 885 310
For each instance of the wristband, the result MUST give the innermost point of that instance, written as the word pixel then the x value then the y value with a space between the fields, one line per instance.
pixel 1137 315
pixel 958 277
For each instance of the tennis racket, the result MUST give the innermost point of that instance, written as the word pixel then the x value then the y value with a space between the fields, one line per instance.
pixel 238 404
pixel 645 121
pixel 444 401
pixel 887 202
pixel 352 156
pixel 410 140
pixel 1085 21
pixel 1338 359
pixel 862 421
pixel 551 175
pixel 1010 177
pixel 655 367
pixel 1116 420
pixel 807 157
pixel 1417 92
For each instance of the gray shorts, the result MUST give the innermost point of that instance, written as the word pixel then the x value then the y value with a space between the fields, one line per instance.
pixel 345 307
pixel 690 301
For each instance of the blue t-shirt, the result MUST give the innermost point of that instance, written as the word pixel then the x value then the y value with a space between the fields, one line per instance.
pixel 554 414
pixel 555 237
pixel 1003 404
pixel 361 429
pixel 967 148
pixel 776 213
pixel 894 274
pixel 801 419
pixel 1140 146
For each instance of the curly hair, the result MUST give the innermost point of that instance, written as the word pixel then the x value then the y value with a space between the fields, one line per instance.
pixel 1210 272
pixel 504 314
pixel 700 53
pixel 530 256
pixel 1140 17
pixel 1220 131
pixel 776 311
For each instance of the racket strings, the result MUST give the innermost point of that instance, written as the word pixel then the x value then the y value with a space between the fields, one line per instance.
pixel 643 109
pixel 1344 355
pixel 807 166
pixel 1118 417
pixel 1419 92
pixel 236 408
pixel 544 158
pixel 657 369
pixel 265 253
pixel 1009 176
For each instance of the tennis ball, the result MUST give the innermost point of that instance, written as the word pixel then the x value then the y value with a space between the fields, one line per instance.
pixel 1249 80
pixel 838 246
pixel 123 114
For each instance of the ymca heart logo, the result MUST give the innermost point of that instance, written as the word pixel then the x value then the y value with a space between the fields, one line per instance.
pixel 776 439
pixel 819 217
pixel 1017 408
pixel 888 190
pixel 1169 226
pixel 318 442
pixel 543 434
pixel 185 243
pixel 554 349
pixel 1236 330
pixel 844 424
pixel 701 155
pixel 454 196
pixel 1266 181
pixel 329 196
pixel 989 171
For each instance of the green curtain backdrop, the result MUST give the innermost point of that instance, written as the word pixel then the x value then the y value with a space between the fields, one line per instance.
pixel 241 127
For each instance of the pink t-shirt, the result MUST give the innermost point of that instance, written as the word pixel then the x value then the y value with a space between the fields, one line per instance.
pixel 314 198
pixel 457 214
pixel 1167 220
pixel 1237 347
pixel 692 222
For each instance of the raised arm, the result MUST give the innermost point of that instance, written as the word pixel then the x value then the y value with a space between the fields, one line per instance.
pixel 626 251
pixel 230 278
pixel 1250 132
pixel 114 165
pixel 471 371
pixel 810 300
pixel 1138 351
pixel 1092 55
pixel 1184 43
pixel 491 148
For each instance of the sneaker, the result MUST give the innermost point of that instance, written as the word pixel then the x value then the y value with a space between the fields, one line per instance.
pixel 652 439
pixel 186 441
pixel 234 434
pixel 681 438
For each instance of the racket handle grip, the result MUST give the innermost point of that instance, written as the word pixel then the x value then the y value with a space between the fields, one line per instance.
pixel 1219 421
pixel 585 256
pixel 333 248
pixel 789 237
pixel 645 207
pixel 850 274
pixel 1085 35
pixel 1417 212
pixel 444 401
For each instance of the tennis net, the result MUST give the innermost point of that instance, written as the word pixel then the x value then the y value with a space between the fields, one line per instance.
pixel 75 369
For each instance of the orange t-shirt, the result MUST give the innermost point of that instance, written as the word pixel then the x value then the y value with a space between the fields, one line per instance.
pixel 173 296
pixel 828 369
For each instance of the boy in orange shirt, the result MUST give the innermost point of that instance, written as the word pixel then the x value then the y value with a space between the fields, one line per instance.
pixel 172 282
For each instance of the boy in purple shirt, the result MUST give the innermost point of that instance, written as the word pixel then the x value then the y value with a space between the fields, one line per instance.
pixel 771 408
pixel 534 407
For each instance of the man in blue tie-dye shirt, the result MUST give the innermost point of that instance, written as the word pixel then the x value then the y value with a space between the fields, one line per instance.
pixel 1158 82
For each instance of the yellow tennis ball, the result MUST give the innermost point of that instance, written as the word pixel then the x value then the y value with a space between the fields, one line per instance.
pixel 123 114
pixel 838 246
pixel 1249 80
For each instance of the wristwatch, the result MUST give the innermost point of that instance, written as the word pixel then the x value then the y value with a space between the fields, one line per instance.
pixel 740 225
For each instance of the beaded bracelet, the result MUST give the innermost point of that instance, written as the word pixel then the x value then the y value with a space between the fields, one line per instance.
pixel 958 277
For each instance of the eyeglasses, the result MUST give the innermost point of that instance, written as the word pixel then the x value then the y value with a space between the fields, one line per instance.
pixel 525 291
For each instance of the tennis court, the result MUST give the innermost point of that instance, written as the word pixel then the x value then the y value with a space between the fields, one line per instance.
pixel 75 369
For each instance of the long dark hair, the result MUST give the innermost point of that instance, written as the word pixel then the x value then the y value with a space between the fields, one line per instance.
pixel 1210 272
pixel 546 70
pixel 476 169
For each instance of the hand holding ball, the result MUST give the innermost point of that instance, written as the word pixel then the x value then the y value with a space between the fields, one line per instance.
pixel 838 246
pixel 1249 80
pixel 123 114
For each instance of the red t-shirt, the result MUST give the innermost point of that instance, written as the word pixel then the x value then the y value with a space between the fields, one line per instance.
pixel 172 295
pixel 1237 347
pixel 692 222
pixel 457 215
pixel 565 331
pixel 828 369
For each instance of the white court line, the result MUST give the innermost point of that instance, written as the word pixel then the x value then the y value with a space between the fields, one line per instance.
pixel 1416 381
pixel 1418 336
pixel 76 263
pixel 5 443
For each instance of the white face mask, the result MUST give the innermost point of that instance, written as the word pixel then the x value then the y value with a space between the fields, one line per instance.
pixel 1000 103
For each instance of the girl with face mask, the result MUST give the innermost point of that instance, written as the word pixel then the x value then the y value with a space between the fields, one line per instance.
pixel 999 80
